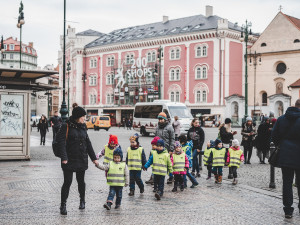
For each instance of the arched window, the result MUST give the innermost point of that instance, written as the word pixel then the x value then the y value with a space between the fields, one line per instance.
pixel 128 59
pixel 172 74
pixel 153 56
pixel 172 96
pixel 198 96
pixel 112 61
pixel 198 51
pixel 204 51
pixel 108 61
pixel 263 45
pixel 92 99
pixel 177 94
pixel 149 58
pixel 172 54
pixel 264 98
pixel 204 96
pixel 204 72
pixel 198 73
pixel 177 53
pixel 109 79
pixel 109 98
pixel 177 74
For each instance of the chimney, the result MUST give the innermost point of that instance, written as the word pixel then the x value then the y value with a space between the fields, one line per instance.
pixel 209 11
pixel 165 19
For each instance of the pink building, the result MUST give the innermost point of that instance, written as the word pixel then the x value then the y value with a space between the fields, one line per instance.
pixel 199 64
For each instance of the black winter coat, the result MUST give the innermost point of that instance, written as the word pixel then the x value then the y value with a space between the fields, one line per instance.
pixel 286 135
pixel 263 138
pixel 77 148
pixel 196 134
pixel 226 137
pixel 42 126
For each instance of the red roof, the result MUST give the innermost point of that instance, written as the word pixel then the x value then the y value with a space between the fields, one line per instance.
pixel 295 84
pixel 294 20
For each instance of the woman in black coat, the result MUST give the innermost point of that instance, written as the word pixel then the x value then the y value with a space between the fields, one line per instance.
pixel 263 139
pixel 74 151
pixel 43 128
pixel 248 133
pixel 196 134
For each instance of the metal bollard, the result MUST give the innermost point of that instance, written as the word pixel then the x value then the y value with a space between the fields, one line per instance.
pixel 200 161
pixel 272 168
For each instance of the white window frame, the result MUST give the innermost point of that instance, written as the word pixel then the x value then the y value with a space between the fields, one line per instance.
pixel 109 79
pixel 172 54
pixel 177 96
pixel 109 98
pixel 201 50
pixel 198 72
pixel 153 56
pixel 12 47
pixel 204 72
pixel 93 99
pixel 204 96
pixel 177 54
pixel 149 57
pixel 5 46
pixel 11 56
pixel 198 96
pixel 204 51
pixel 172 96
pixel 93 80
pixel 198 51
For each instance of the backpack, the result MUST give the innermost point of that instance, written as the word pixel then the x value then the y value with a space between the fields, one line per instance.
pixel 55 145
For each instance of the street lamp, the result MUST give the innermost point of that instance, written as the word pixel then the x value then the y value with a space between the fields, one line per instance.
pixel 21 22
pixel 63 108
pixel 2 49
pixel 158 70
pixel 246 31
pixel 68 69
pixel 84 80
pixel 48 93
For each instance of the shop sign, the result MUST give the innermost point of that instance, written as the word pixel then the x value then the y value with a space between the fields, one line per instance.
pixel 131 93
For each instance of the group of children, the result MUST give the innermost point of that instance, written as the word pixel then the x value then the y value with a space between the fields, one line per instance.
pixel 162 163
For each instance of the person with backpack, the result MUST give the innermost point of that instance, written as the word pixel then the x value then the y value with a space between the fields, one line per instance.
pixel 74 148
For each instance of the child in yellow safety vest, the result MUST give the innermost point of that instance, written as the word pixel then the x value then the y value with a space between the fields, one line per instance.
pixel 218 158
pixel 108 150
pixel 180 165
pixel 153 143
pixel 234 158
pixel 161 166
pixel 135 160
pixel 117 178
pixel 207 151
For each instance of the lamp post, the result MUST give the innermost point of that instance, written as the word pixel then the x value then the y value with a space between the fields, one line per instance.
pixel 63 108
pixel 68 69
pixel 2 49
pixel 21 22
pixel 246 31
pixel 48 93
pixel 158 70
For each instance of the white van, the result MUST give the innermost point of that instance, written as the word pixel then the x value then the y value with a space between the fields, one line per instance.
pixel 145 115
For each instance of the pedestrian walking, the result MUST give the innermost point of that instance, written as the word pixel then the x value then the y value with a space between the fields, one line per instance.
pixel 234 158
pixel 197 136
pixel 55 122
pixel 176 125
pixel 180 165
pixel 117 178
pixel 188 152
pixel 75 147
pixel 263 139
pixel 226 135
pixel 165 131
pixel 135 160
pixel 207 151
pixel 161 165
pixel 108 149
pixel 248 132
pixel 286 136
pixel 43 128
pixel 154 147
pixel 218 158
pixel 129 124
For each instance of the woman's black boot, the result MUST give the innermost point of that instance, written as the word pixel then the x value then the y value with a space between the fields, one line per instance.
pixel 82 204
pixel 63 208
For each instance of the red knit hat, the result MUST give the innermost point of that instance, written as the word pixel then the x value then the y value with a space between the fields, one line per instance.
pixel 113 139
pixel 274 120
pixel 154 141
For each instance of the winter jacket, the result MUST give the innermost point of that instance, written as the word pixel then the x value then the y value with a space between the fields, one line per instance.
pixel 144 160
pixel 263 137
pixel 188 153
pixel 102 152
pixel 211 156
pixel 228 155
pixel 185 166
pixel 56 120
pixel 196 134
pixel 176 125
pixel 106 168
pixel 42 126
pixel 166 132
pixel 169 163
pixel 77 148
pixel 286 135
pixel 226 137
pixel 247 130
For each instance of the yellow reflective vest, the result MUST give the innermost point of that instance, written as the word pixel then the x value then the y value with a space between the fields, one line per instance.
pixel 161 163
pixel 108 156
pixel 206 155
pixel 134 158
pixel 178 162
pixel 235 157
pixel 184 148
pixel 218 157
pixel 116 174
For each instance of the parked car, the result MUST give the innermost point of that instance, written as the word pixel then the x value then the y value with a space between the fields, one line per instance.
pixel 98 122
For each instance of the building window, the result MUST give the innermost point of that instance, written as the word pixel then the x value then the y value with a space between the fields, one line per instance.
pixel 172 96
pixel 177 96
pixel 5 46
pixel 201 72
pixel 93 63
pixel 11 56
pixel 109 99
pixel 172 54
pixel 129 58
pixel 204 72
pixel 174 74
pixel 198 73
pixel 177 53
pixel 93 80
pixel 198 51
pixel 204 96
pixel 281 68
pixel 110 61
pixel 198 96
pixel 264 98
pixel 201 51
pixel 149 58
pixel 263 45
pixel 92 99
pixel 109 79
pixel 177 74
pixel 12 47
pixel 153 56
pixel 204 51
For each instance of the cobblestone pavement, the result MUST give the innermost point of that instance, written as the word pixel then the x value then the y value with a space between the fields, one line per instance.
pixel 30 194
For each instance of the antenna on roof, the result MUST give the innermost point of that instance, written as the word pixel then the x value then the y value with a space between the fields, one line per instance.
pixel 280 8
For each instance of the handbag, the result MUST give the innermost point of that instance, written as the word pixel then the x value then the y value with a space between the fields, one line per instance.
pixel 274 157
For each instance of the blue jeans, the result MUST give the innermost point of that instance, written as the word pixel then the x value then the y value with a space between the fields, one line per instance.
pixel 191 177
pixel 195 161
pixel 115 190
pixel 217 170
pixel 159 183
pixel 135 177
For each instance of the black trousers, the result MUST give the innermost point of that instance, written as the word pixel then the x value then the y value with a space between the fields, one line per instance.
pixel 43 137
pixel 68 178
pixel 54 130
pixel 287 190
pixel 234 171
pixel 178 181
pixel 159 183
pixel 248 150
pixel 209 170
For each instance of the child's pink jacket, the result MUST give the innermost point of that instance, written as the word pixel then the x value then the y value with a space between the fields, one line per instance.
pixel 186 165
pixel 228 154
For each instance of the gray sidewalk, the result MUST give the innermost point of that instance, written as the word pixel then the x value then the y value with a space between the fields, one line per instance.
pixel 30 194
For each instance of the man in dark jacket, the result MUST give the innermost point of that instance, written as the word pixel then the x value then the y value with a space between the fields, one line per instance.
pixel 55 122
pixel 286 136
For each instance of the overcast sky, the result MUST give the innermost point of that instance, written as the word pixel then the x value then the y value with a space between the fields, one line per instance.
pixel 44 18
